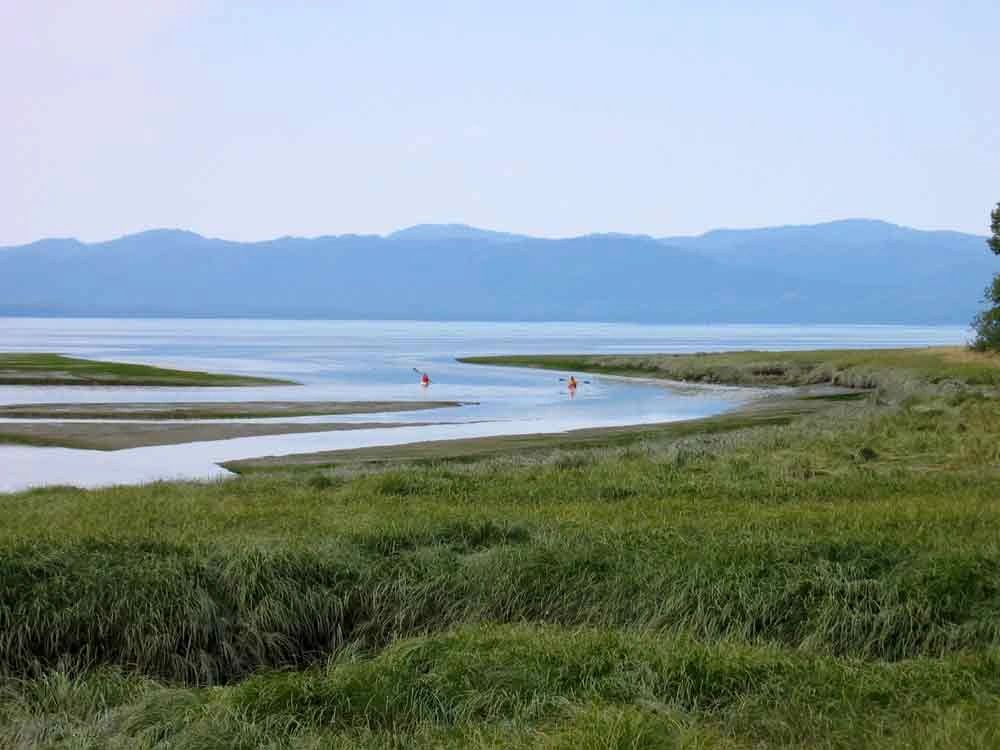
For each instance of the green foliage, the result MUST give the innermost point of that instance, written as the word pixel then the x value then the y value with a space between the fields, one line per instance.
pixel 994 240
pixel 987 323
pixel 529 686
pixel 829 582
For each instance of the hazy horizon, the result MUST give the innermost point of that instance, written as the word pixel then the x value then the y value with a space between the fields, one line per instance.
pixel 554 121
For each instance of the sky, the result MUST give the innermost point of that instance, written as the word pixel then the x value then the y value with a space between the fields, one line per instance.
pixel 255 120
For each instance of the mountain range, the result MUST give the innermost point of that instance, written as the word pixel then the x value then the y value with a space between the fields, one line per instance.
pixel 850 271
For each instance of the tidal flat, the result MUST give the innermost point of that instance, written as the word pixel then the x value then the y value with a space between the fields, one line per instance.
pixel 829 579
pixel 116 435
pixel 212 410
pixel 43 424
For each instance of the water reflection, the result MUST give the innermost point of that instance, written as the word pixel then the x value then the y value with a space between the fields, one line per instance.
pixel 382 361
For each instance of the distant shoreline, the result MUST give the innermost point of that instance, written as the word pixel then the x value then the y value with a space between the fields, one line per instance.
pixel 284 316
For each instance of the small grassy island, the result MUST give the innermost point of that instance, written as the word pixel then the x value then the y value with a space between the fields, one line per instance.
pixel 56 369
pixel 829 579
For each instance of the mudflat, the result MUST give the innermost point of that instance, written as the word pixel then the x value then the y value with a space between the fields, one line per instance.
pixel 772 410
pixel 121 435
pixel 213 410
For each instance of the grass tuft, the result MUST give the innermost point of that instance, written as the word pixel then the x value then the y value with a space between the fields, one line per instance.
pixel 830 579
pixel 56 369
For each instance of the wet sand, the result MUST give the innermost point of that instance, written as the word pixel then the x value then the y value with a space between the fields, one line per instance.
pixel 212 410
pixel 119 436
pixel 778 408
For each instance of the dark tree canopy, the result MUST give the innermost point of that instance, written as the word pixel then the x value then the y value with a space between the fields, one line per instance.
pixel 994 241
pixel 987 323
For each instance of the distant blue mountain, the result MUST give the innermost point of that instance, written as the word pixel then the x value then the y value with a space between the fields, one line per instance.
pixel 435 232
pixel 860 251
pixel 849 271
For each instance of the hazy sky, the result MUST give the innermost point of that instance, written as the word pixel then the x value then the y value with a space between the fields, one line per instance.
pixel 250 120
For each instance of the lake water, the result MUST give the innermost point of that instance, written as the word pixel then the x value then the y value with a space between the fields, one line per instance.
pixel 375 360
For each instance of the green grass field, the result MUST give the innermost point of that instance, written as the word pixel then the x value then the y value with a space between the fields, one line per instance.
pixel 55 369
pixel 829 581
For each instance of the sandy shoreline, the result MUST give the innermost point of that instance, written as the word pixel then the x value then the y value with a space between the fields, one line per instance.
pixel 213 410
pixel 143 428
pixel 776 407
pixel 112 436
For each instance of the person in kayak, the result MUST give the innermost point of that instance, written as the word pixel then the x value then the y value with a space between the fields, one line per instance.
pixel 425 379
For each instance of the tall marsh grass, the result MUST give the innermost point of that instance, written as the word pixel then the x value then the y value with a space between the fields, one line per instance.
pixel 830 582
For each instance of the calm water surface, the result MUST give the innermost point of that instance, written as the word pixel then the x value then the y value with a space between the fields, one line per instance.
pixel 375 360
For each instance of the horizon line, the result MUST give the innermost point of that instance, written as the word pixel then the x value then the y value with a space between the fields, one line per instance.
pixel 513 235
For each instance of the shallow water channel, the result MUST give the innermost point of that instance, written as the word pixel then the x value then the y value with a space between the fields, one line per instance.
pixel 375 361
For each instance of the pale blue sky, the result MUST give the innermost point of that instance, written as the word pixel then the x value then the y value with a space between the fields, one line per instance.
pixel 553 118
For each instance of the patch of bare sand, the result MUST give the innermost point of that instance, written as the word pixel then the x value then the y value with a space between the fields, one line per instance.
pixel 213 409
pixel 119 436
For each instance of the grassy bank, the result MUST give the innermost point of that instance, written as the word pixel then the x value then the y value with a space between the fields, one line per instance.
pixel 830 580
pixel 55 369
pixel 538 446
pixel 895 370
